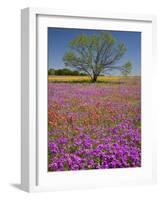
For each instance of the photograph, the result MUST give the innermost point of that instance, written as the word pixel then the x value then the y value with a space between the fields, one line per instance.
pixel 94 99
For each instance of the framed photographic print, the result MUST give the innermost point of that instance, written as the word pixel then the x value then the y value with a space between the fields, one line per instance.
pixel 86 99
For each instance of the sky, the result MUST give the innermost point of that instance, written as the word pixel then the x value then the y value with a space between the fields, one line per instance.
pixel 59 38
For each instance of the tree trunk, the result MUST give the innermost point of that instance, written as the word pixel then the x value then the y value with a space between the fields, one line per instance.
pixel 94 79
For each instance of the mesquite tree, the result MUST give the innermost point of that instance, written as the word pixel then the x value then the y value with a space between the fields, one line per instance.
pixel 96 54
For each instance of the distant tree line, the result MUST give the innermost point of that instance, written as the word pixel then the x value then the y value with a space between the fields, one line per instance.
pixel 65 72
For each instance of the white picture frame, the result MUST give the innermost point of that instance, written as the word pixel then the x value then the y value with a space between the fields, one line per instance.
pixel 33 175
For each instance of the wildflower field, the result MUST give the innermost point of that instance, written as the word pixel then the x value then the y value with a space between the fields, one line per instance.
pixel 94 125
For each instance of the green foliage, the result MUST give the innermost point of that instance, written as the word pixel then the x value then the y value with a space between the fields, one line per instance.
pixel 95 54
pixel 126 69
pixel 65 72
pixel 51 72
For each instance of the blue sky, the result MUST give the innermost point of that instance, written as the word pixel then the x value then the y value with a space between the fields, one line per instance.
pixel 59 38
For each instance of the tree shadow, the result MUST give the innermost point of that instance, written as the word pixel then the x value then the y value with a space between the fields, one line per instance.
pixel 91 82
pixel 112 82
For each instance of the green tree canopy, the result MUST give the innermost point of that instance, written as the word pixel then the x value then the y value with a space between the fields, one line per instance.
pixel 96 54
